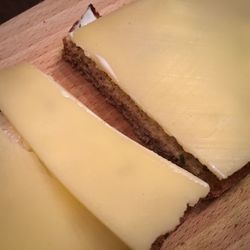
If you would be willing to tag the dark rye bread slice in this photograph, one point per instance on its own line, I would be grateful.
(148, 131)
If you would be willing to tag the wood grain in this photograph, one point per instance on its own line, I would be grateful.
(36, 35)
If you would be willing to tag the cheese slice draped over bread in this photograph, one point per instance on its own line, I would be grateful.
(186, 64)
(134, 192)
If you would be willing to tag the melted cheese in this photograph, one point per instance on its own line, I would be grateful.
(186, 64)
(38, 213)
(133, 191)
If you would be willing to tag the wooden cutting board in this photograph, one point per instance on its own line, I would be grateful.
(36, 35)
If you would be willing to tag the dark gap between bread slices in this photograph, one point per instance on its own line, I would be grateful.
(148, 131)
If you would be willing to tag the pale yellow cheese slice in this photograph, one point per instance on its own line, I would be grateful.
(186, 64)
(133, 191)
(37, 213)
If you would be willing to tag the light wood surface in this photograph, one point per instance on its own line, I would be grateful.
(36, 36)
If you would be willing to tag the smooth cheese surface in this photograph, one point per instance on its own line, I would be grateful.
(186, 64)
(134, 192)
(38, 213)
